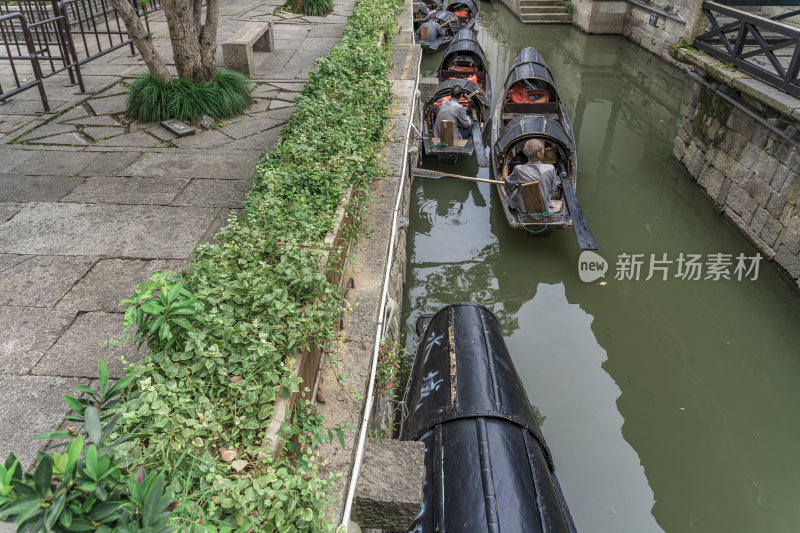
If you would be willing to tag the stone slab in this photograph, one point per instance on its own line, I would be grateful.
(112, 280)
(36, 188)
(126, 191)
(73, 138)
(42, 280)
(99, 120)
(109, 163)
(26, 334)
(47, 130)
(119, 231)
(77, 351)
(214, 193)
(30, 405)
(9, 260)
(54, 163)
(139, 139)
(192, 164)
(258, 142)
(110, 104)
(203, 139)
(250, 126)
(8, 210)
(12, 158)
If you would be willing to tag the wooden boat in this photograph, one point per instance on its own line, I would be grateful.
(455, 16)
(530, 108)
(487, 465)
(464, 65)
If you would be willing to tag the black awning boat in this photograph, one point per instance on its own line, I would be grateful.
(488, 468)
(463, 65)
(530, 108)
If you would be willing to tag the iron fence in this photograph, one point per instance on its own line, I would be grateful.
(60, 35)
(767, 49)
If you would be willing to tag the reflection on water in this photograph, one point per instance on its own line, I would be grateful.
(669, 406)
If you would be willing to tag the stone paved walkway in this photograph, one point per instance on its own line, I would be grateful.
(91, 204)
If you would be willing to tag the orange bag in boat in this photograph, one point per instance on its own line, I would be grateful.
(461, 13)
(519, 95)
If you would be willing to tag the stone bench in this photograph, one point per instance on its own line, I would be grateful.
(237, 52)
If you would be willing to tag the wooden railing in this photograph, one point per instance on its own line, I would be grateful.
(767, 49)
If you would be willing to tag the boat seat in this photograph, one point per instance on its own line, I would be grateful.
(532, 196)
(456, 142)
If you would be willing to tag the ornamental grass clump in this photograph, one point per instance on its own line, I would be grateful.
(317, 7)
(152, 100)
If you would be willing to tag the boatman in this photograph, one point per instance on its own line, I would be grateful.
(451, 109)
(533, 170)
(434, 30)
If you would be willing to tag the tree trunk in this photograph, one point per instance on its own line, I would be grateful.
(184, 37)
(141, 40)
(208, 40)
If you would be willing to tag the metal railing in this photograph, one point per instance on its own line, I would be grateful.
(767, 49)
(60, 35)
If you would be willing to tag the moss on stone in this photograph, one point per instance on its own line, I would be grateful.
(710, 107)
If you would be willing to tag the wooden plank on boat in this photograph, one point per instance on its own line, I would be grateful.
(447, 128)
(456, 142)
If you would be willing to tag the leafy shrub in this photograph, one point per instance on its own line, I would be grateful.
(82, 489)
(317, 8)
(260, 296)
(152, 100)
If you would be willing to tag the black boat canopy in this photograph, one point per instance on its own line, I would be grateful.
(447, 18)
(487, 468)
(473, 6)
(467, 85)
(529, 65)
(464, 43)
(463, 370)
(531, 126)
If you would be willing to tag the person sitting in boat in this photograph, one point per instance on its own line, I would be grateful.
(451, 109)
(533, 170)
(434, 30)
(422, 10)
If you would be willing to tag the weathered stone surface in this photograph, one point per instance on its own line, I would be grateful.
(389, 490)
(47, 130)
(790, 238)
(25, 335)
(117, 231)
(198, 164)
(214, 193)
(77, 351)
(30, 405)
(118, 190)
(250, 126)
(16, 188)
(109, 163)
(54, 163)
(41, 280)
(203, 139)
(110, 104)
(112, 280)
(789, 261)
(8, 210)
(139, 139)
(711, 180)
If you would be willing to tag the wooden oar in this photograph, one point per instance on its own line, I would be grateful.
(582, 232)
(477, 139)
(424, 173)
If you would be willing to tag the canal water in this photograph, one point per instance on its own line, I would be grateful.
(668, 405)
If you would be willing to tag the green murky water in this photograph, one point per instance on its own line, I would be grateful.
(669, 405)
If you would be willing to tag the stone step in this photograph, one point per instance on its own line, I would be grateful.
(547, 18)
(542, 10)
(533, 3)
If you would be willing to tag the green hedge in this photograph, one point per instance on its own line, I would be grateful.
(218, 337)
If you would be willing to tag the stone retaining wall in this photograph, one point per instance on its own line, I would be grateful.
(748, 171)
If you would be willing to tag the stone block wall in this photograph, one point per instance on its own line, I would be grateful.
(600, 16)
(656, 39)
(748, 171)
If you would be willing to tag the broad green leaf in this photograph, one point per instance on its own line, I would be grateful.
(91, 462)
(43, 475)
(53, 435)
(74, 404)
(120, 385)
(127, 318)
(152, 502)
(74, 450)
(93, 425)
(52, 514)
(102, 373)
